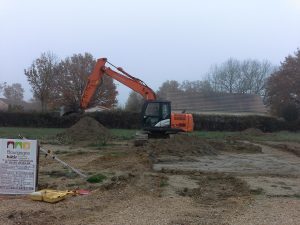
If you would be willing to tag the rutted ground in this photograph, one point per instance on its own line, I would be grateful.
(273, 177)
(132, 193)
(184, 180)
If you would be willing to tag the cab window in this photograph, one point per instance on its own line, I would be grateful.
(152, 109)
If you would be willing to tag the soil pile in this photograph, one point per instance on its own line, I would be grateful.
(235, 146)
(253, 132)
(187, 147)
(87, 130)
(181, 145)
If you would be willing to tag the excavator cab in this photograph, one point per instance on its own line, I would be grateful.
(157, 119)
(157, 114)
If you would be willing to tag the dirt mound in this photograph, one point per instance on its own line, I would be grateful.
(87, 130)
(181, 145)
(235, 146)
(253, 131)
(189, 147)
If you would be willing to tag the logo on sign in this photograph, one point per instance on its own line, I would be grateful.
(18, 145)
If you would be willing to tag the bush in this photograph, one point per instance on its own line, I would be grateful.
(98, 178)
(290, 112)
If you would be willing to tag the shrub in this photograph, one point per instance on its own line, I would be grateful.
(290, 112)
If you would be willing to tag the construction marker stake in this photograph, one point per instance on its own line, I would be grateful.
(49, 153)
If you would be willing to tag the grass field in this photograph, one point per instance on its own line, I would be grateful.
(47, 134)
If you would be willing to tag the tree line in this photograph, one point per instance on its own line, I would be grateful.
(278, 86)
(233, 76)
(56, 82)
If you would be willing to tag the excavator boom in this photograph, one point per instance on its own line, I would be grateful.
(123, 77)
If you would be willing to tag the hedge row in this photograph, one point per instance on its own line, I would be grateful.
(110, 119)
(128, 120)
(239, 123)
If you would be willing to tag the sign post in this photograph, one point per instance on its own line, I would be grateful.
(18, 166)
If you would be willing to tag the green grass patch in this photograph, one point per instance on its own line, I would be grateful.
(98, 144)
(123, 134)
(281, 136)
(258, 191)
(43, 134)
(97, 178)
(163, 183)
(48, 135)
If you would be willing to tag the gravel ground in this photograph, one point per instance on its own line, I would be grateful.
(181, 199)
(269, 211)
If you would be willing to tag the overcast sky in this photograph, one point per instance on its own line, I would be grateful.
(155, 40)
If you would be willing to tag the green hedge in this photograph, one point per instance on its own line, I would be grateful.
(110, 119)
(239, 123)
(24, 119)
(128, 120)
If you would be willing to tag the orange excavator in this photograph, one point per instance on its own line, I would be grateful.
(157, 117)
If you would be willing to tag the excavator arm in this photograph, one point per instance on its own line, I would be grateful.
(123, 77)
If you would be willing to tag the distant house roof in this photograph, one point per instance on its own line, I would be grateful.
(217, 103)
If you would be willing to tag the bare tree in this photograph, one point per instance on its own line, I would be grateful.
(233, 76)
(41, 75)
(2, 86)
(226, 77)
(197, 86)
(14, 92)
(253, 76)
(73, 75)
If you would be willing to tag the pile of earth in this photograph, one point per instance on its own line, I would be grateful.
(86, 130)
(232, 145)
(253, 132)
(190, 146)
(180, 145)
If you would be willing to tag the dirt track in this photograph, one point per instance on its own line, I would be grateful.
(258, 188)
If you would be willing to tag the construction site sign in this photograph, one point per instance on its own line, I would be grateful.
(18, 166)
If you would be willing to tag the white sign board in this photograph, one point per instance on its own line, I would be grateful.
(18, 166)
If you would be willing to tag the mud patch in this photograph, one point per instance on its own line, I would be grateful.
(213, 188)
(293, 148)
(129, 161)
(86, 130)
(274, 186)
